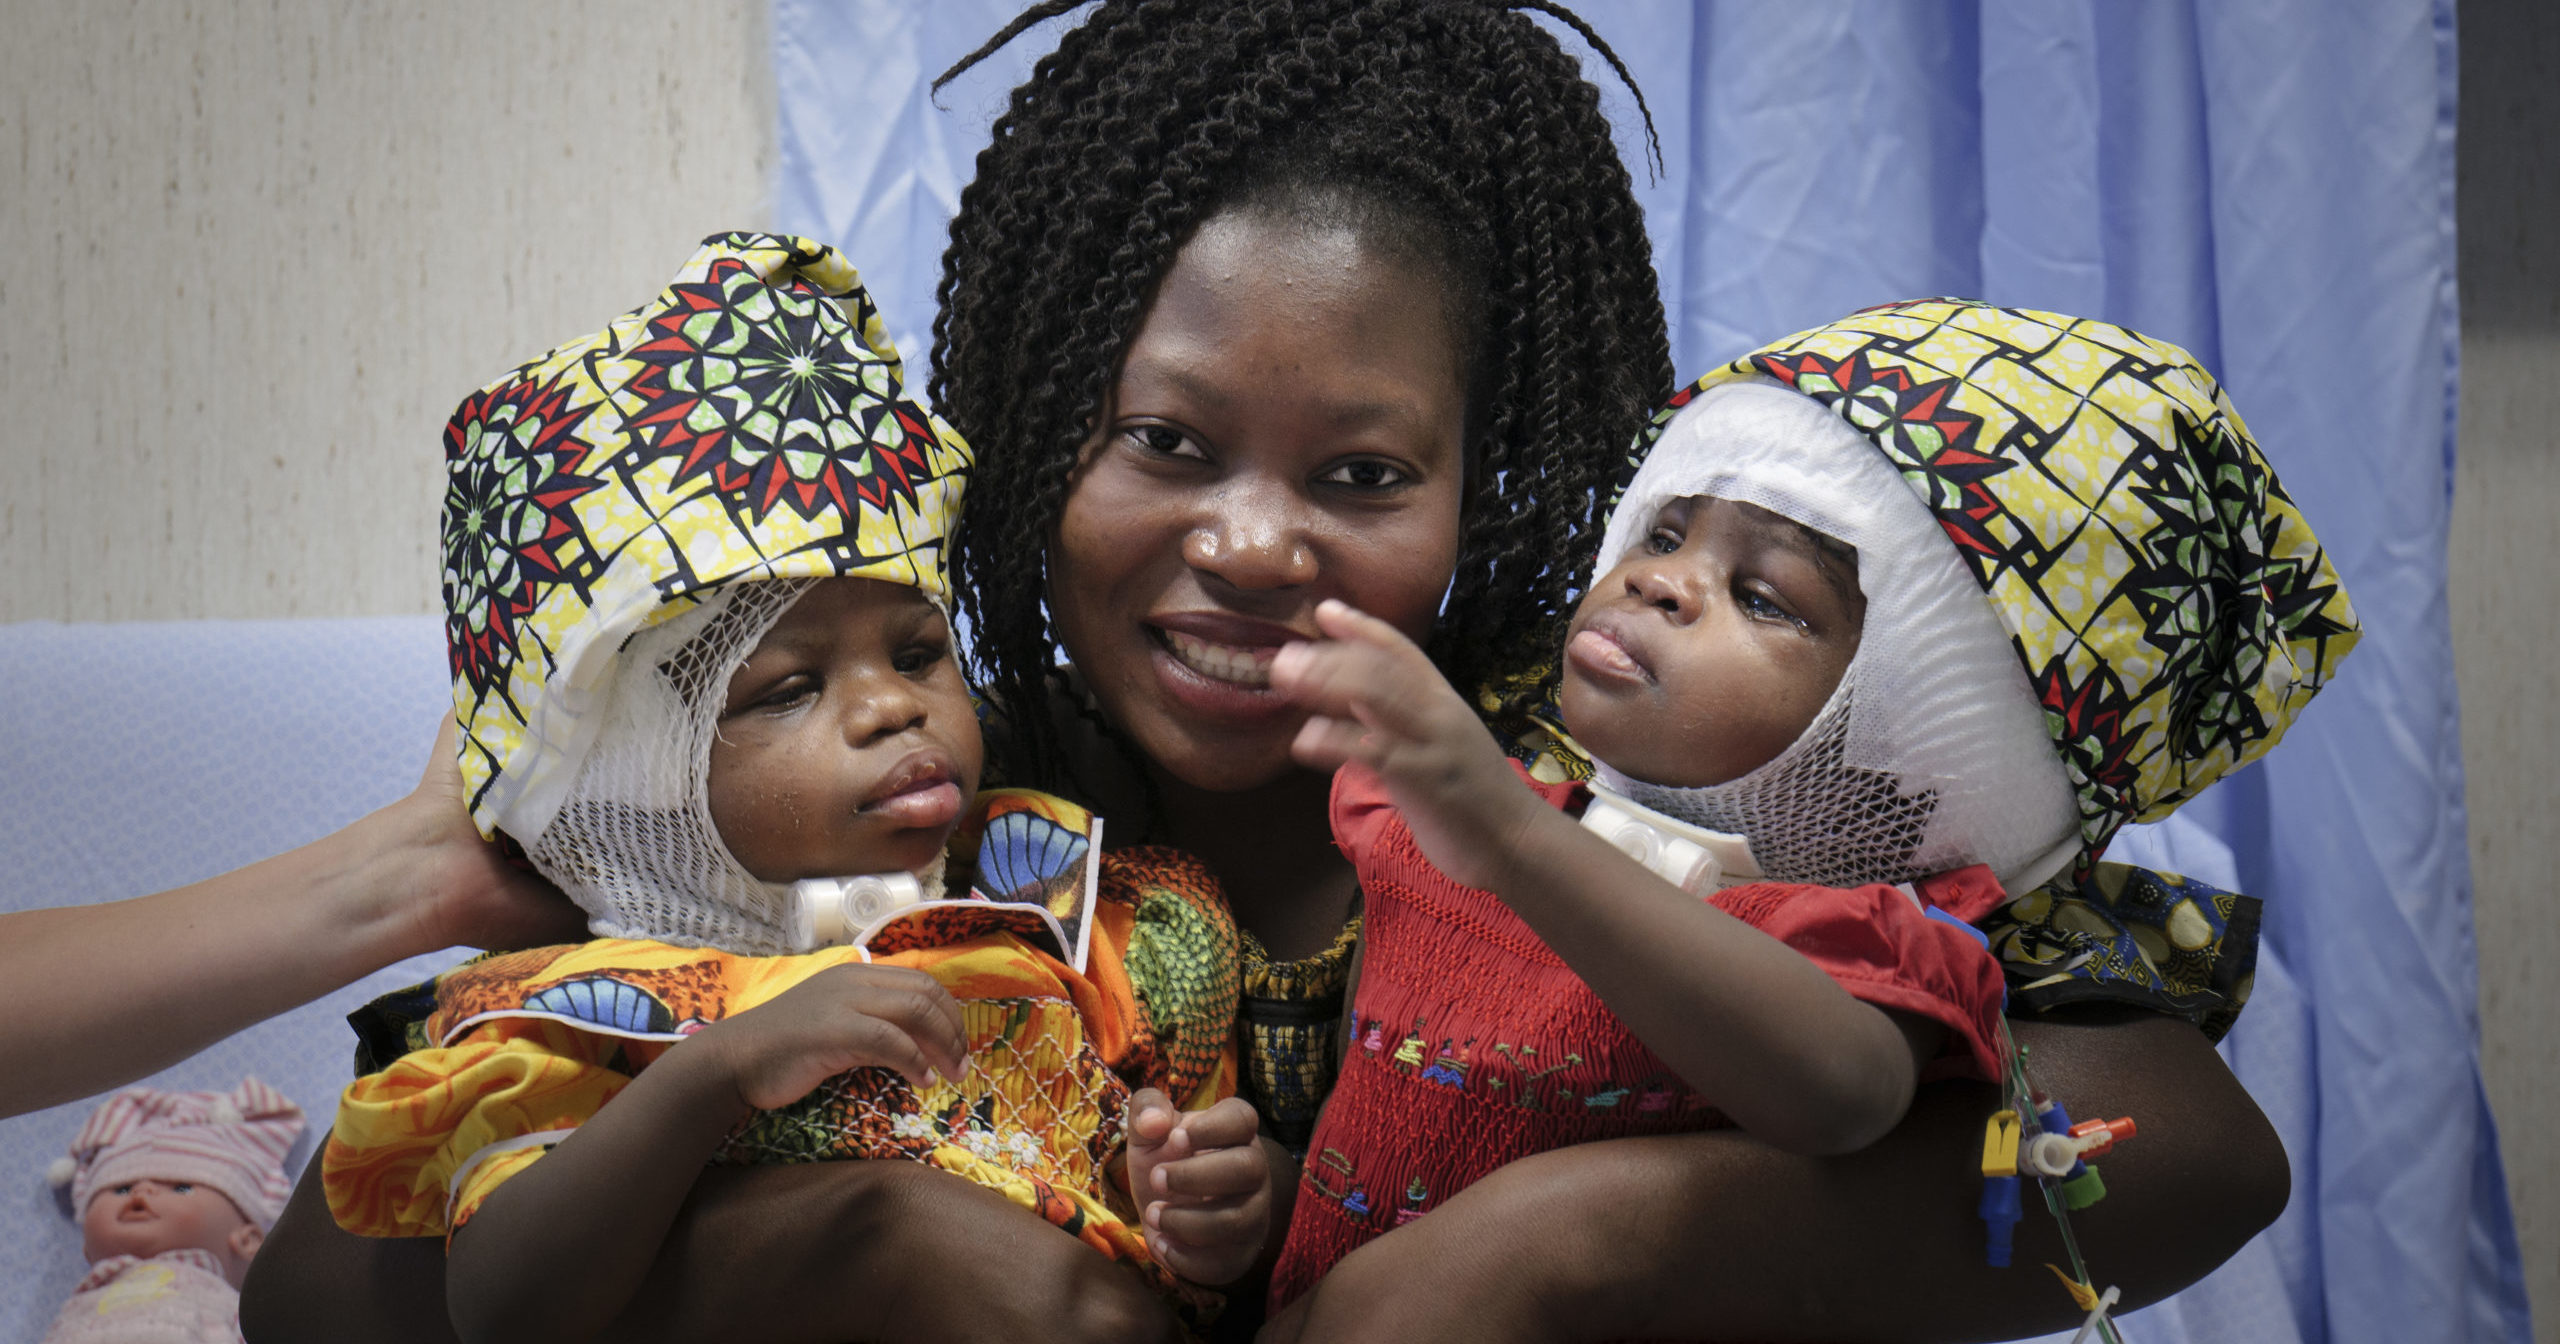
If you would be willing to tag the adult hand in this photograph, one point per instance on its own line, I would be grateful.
(470, 892)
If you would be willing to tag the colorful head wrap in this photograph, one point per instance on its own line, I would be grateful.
(748, 423)
(2171, 606)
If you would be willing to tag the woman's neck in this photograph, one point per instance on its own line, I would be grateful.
(1272, 851)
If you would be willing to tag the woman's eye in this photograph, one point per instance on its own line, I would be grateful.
(1662, 541)
(1365, 474)
(1163, 441)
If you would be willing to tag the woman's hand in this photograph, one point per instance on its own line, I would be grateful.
(469, 892)
(1376, 698)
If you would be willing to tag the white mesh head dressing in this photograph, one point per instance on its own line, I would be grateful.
(1932, 753)
(633, 843)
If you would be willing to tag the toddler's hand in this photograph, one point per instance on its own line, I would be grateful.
(844, 1017)
(1202, 1185)
(1378, 700)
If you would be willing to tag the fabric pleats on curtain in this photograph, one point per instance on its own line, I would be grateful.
(2270, 185)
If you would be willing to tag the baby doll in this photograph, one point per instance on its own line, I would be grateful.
(174, 1192)
(695, 584)
(1820, 752)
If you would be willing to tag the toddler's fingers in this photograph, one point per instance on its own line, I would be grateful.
(1220, 1174)
(1228, 1124)
(1201, 1226)
(1342, 620)
(1149, 1118)
(917, 1010)
(1324, 742)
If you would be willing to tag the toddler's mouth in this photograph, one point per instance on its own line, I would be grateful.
(921, 791)
(1601, 650)
(1235, 664)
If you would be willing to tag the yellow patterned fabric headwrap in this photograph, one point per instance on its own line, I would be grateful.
(2173, 609)
(748, 423)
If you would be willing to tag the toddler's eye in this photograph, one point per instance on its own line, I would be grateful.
(183, 1188)
(1365, 474)
(1761, 606)
(916, 658)
(784, 694)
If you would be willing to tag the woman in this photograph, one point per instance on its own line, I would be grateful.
(1250, 305)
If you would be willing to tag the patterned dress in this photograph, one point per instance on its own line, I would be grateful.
(472, 1077)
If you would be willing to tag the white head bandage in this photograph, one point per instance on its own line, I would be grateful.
(1932, 753)
(633, 843)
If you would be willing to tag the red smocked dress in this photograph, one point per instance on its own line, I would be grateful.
(1473, 1044)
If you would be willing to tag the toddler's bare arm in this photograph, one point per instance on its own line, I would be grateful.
(1741, 1017)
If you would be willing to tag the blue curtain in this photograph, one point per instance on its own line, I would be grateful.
(2269, 184)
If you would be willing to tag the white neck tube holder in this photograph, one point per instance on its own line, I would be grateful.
(1692, 858)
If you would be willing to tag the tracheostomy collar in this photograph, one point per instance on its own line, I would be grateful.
(1931, 753)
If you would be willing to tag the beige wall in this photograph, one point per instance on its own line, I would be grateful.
(251, 256)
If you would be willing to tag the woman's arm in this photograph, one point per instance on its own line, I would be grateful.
(139, 985)
(1716, 1236)
(823, 1253)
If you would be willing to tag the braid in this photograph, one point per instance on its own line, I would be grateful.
(1457, 131)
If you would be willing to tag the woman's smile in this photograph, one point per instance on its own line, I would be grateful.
(1286, 427)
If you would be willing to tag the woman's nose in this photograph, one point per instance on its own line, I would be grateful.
(1252, 536)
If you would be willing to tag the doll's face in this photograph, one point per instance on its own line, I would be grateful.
(1710, 648)
(147, 1218)
(847, 743)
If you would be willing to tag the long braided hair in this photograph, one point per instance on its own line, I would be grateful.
(1458, 129)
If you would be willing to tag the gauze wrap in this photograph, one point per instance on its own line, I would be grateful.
(625, 517)
(2170, 607)
(1931, 754)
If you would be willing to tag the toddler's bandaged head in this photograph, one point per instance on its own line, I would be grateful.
(2164, 609)
(624, 519)
(234, 1142)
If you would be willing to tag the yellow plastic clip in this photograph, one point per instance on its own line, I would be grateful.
(2089, 1299)
(2080, 1291)
(2000, 1144)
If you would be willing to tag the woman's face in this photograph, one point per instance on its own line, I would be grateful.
(1288, 426)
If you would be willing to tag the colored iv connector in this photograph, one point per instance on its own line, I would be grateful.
(2000, 1206)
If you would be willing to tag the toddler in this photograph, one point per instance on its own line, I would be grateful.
(1801, 709)
(174, 1192)
(695, 587)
